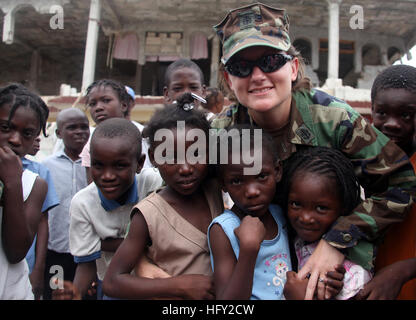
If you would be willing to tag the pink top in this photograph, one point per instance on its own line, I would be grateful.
(355, 276)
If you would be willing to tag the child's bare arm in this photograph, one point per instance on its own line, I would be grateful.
(85, 274)
(20, 219)
(234, 278)
(37, 275)
(118, 282)
(387, 282)
(88, 173)
(111, 244)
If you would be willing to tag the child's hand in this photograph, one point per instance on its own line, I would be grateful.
(334, 281)
(196, 287)
(295, 288)
(250, 233)
(69, 292)
(10, 165)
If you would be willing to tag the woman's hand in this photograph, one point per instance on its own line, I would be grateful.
(295, 287)
(323, 259)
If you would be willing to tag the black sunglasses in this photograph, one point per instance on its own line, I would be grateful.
(267, 64)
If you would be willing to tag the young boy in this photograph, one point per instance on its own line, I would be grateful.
(100, 213)
(69, 177)
(393, 98)
(393, 105)
(182, 76)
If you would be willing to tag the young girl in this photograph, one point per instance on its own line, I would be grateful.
(320, 185)
(170, 225)
(264, 75)
(249, 243)
(22, 117)
(107, 98)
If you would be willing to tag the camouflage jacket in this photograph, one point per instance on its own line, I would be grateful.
(384, 171)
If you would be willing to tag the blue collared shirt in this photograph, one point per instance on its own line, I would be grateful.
(69, 177)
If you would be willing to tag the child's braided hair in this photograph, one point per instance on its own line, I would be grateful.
(16, 95)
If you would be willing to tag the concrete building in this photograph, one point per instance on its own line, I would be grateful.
(58, 47)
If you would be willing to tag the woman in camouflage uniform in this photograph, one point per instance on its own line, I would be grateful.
(264, 74)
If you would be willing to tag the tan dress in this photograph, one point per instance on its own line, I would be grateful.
(177, 246)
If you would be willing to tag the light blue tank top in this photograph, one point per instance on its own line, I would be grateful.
(273, 259)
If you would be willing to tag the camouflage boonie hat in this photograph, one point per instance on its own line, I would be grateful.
(253, 25)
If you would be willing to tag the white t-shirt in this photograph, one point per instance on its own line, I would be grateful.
(91, 223)
(14, 278)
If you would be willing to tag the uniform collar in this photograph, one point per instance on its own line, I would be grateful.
(300, 122)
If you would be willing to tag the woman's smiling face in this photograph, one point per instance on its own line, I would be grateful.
(261, 92)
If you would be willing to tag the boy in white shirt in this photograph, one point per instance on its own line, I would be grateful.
(100, 213)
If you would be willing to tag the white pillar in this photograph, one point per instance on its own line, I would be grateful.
(383, 57)
(358, 59)
(35, 63)
(315, 53)
(91, 45)
(8, 27)
(333, 39)
(186, 44)
(215, 58)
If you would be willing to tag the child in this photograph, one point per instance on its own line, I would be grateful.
(320, 185)
(249, 243)
(69, 177)
(100, 212)
(35, 148)
(393, 105)
(169, 226)
(393, 97)
(22, 117)
(183, 76)
(105, 99)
